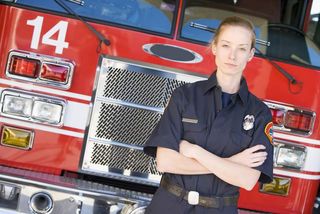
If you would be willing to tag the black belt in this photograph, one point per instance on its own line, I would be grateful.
(194, 198)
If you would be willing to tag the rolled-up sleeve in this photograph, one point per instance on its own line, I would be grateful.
(263, 135)
(168, 131)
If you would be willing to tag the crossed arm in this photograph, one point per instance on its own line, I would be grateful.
(193, 159)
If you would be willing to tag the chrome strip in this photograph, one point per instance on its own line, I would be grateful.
(128, 104)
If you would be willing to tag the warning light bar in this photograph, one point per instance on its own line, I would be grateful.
(53, 71)
(291, 119)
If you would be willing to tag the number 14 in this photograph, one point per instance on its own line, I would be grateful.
(60, 43)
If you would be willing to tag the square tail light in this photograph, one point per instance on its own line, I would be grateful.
(24, 67)
(55, 73)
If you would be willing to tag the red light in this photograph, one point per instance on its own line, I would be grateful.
(24, 67)
(298, 121)
(277, 116)
(54, 73)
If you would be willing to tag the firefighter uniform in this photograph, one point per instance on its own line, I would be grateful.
(224, 124)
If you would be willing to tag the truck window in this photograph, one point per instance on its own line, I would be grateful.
(276, 21)
(151, 15)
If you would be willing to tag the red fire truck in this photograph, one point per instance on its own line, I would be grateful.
(83, 83)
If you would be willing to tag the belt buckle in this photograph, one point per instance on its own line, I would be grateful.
(193, 197)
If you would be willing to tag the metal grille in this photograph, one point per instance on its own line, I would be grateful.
(140, 88)
(128, 103)
(125, 124)
(123, 158)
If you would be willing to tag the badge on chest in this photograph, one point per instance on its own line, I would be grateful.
(248, 122)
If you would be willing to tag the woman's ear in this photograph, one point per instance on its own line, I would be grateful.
(214, 48)
(251, 54)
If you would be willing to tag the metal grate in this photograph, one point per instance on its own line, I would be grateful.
(123, 158)
(139, 88)
(125, 124)
(128, 103)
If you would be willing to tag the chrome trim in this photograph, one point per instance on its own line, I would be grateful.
(34, 97)
(67, 191)
(33, 203)
(20, 129)
(282, 128)
(197, 57)
(42, 59)
(111, 142)
(79, 2)
(128, 104)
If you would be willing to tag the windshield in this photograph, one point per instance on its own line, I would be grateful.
(275, 21)
(151, 15)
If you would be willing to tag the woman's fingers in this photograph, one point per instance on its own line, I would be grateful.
(255, 148)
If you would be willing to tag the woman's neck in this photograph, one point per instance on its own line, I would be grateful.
(228, 83)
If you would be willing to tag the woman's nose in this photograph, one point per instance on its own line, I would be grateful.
(232, 54)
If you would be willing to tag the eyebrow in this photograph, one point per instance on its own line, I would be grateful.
(230, 42)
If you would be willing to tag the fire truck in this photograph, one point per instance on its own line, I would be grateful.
(83, 84)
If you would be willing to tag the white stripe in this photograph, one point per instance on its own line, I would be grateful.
(296, 138)
(76, 115)
(41, 127)
(44, 89)
(311, 163)
(296, 174)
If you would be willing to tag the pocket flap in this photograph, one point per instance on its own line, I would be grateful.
(193, 126)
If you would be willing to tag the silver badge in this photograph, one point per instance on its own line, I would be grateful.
(248, 122)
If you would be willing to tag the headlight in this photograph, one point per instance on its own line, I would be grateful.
(47, 112)
(290, 156)
(32, 107)
(17, 105)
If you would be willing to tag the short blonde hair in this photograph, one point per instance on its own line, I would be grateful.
(236, 21)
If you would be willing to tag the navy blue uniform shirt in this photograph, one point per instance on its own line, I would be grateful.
(223, 125)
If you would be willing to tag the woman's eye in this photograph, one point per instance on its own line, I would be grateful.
(225, 46)
(243, 49)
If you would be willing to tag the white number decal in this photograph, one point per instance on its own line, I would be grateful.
(60, 28)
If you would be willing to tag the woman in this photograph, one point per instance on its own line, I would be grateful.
(214, 136)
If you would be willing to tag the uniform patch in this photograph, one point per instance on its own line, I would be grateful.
(248, 122)
(269, 132)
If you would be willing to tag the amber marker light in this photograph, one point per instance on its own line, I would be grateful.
(17, 137)
(278, 186)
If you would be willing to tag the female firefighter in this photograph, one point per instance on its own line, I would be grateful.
(214, 136)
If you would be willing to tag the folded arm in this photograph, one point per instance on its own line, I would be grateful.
(194, 160)
(235, 170)
(170, 161)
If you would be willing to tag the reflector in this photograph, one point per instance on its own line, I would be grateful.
(56, 73)
(279, 186)
(16, 137)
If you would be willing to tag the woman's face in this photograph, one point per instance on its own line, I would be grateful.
(233, 50)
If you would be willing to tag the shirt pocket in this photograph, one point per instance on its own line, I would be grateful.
(194, 132)
(241, 140)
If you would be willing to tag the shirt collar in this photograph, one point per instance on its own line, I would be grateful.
(212, 83)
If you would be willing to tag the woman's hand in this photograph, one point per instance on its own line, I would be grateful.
(187, 149)
(250, 157)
